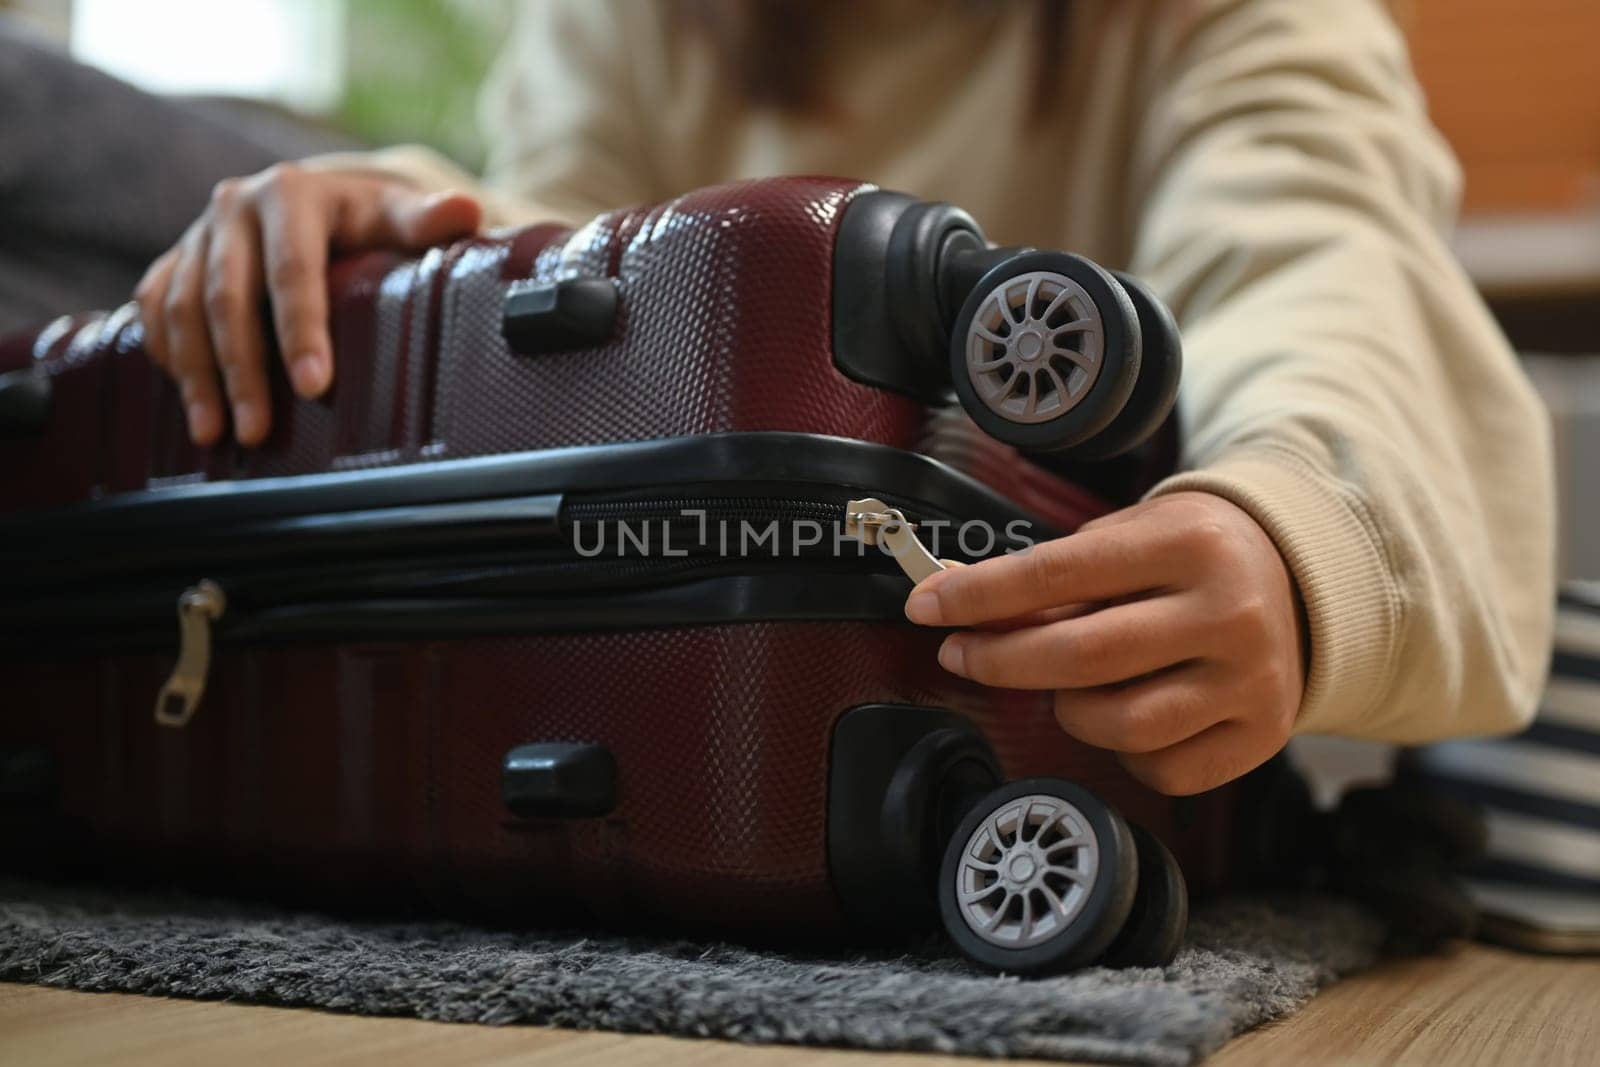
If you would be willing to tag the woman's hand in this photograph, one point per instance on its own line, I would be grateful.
(271, 235)
(1170, 633)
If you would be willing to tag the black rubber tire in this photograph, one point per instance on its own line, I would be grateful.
(929, 793)
(1104, 913)
(1119, 370)
(1156, 390)
(1155, 928)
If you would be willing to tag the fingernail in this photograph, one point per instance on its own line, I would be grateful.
(922, 606)
(310, 374)
(952, 657)
(249, 421)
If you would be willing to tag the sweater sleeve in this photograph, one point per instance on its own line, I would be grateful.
(561, 115)
(1344, 384)
(563, 110)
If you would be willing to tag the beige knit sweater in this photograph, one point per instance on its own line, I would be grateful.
(1268, 166)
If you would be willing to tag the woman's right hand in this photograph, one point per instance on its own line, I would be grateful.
(271, 235)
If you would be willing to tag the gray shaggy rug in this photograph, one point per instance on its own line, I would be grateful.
(1247, 962)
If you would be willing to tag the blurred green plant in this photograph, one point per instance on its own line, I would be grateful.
(413, 69)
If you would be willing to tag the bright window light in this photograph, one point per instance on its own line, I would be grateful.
(287, 51)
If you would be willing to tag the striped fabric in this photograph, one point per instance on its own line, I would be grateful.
(1541, 789)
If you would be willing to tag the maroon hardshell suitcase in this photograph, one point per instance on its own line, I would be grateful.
(401, 667)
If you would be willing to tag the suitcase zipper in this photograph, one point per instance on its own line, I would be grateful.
(869, 520)
(199, 606)
(202, 606)
(873, 521)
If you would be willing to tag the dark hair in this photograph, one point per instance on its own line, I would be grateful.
(768, 48)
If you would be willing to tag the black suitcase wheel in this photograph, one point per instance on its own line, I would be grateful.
(1154, 931)
(1156, 391)
(934, 785)
(1039, 877)
(1046, 351)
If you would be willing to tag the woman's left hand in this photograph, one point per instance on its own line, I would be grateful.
(1169, 631)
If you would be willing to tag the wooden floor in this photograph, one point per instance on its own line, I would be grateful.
(1476, 1006)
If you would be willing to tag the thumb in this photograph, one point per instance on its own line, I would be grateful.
(933, 580)
(422, 222)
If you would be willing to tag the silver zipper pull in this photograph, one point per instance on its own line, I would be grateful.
(874, 522)
(199, 606)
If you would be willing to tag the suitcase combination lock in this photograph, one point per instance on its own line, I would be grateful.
(198, 607)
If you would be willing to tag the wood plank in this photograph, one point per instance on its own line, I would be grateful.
(1475, 1006)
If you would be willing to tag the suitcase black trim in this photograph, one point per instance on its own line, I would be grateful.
(735, 457)
(480, 545)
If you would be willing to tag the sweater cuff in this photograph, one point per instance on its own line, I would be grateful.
(1351, 599)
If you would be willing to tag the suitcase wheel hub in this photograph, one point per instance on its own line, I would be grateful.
(1026, 871)
(1035, 346)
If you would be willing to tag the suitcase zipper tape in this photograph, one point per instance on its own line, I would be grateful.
(868, 520)
(725, 508)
